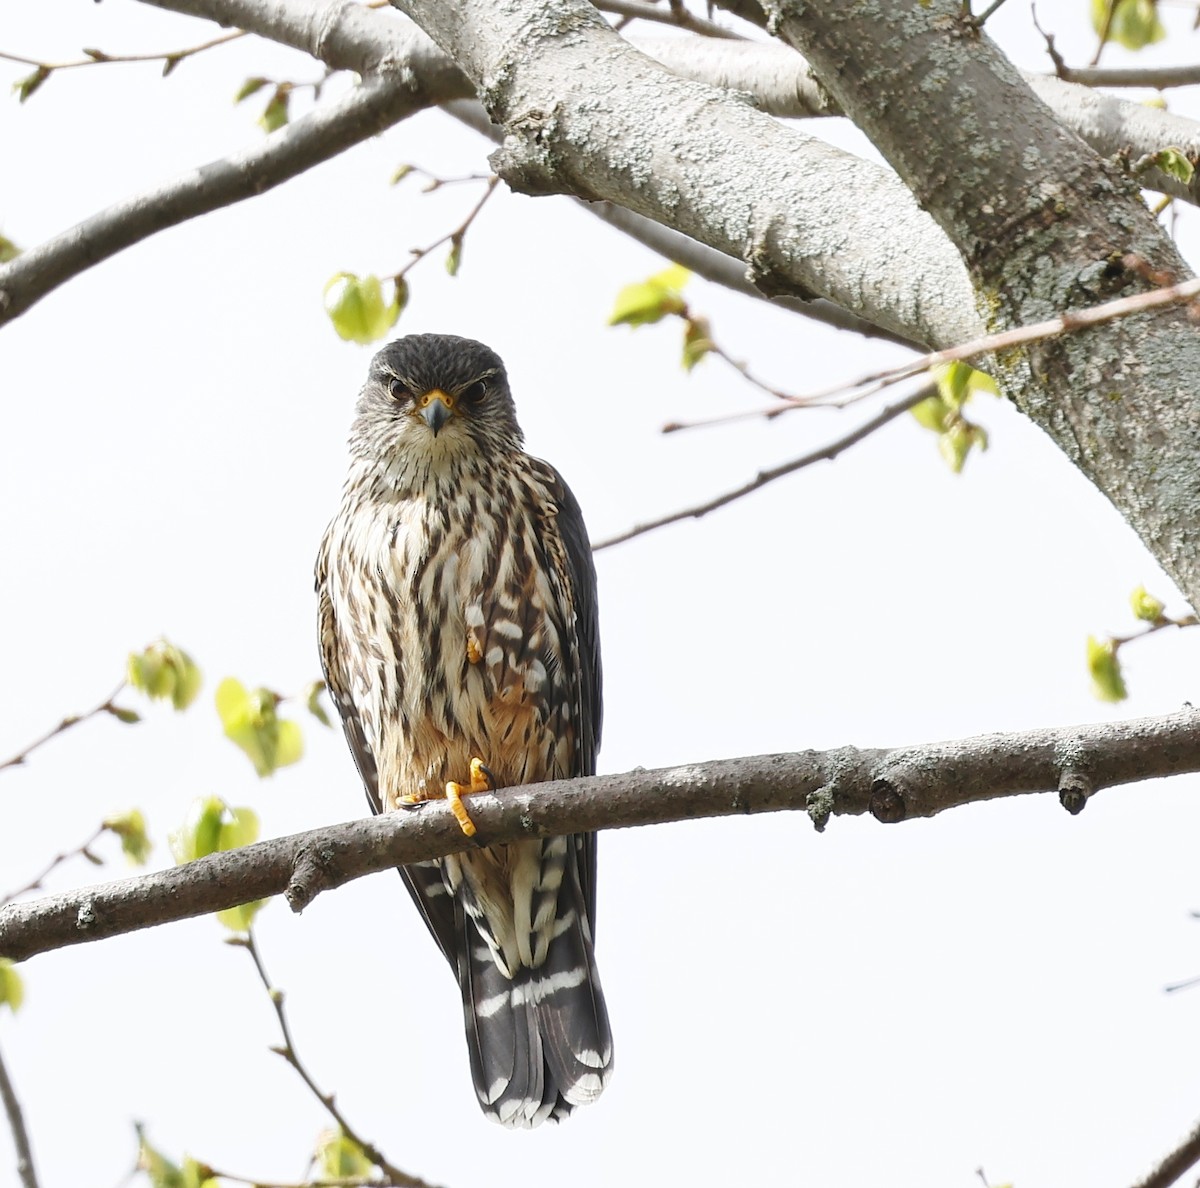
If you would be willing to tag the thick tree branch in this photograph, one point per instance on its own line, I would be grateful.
(378, 103)
(783, 84)
(1050, 237)
(893, 785)
(704, 261)
(586, 114)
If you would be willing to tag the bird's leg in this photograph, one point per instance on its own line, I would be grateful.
(481, 781)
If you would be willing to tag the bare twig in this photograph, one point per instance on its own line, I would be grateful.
(1180, 1160)
(105, 707)
(169, 58)
(1066, 323)
(453, 238)
(340, 1182)
(16, 1123)
(895, 784)
(377, 103)
(35, 884)
(769, 476)
(675, 15)
(288, 1052)
(1160, 77)
(868, 385)
(1105, 30)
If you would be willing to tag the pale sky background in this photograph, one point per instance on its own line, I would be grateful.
(877, 1005)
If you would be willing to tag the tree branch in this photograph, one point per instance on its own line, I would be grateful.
(893, 785)
(586, 114)
(707, 262)
(1051, 236)
(1170, 1168)
(16, 1123)
(760, 480)
(376, 104)
(1159, 77)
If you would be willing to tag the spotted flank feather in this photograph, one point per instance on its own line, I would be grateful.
(458, 622)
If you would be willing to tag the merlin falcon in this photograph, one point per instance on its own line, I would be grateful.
(460, 645)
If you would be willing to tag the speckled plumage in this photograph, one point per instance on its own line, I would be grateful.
(458, 620)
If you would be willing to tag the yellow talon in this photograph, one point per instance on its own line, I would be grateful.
(480, 782)
(474, 648)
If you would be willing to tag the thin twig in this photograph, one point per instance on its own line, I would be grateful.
(676, 15)
(454, 237)
(288, 1052)
(105, 707)
(1170, 1168)
(16, 1123)
(377, 103)
(982, 18)
(768, 476)
(97, 57)
(1105, 30)
(35, 884)
(1159, 77)
(340, 1182)
(1075, 320)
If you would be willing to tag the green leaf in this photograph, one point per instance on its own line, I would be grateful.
(130, 827)
(454, 257)
(162, 1173)
(957, 381)
(250, 87)
(311, 696)
(12, 989)
(1107, 682)
(400, 173)
(211, 826)
(275, 114)
(339, 1157)
(250, 720)
(8, 250)
(1145, 606)
(198, 835)
(240, 918)
(933, 413)
(697, 342)
(1174, 163)
(26, 86)
(1134, 24)
(128, 716)
(958, 441)
(651, 300)
(356, 307)
(165, 673)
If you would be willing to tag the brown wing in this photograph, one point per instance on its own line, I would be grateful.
(423, 880)
(588, 709)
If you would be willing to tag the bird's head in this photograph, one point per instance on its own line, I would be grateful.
(431, 397)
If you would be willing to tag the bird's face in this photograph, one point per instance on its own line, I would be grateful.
(433, 399)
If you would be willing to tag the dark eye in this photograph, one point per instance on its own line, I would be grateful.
(474, 393)
(399, 392)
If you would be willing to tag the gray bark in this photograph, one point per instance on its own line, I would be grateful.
(1042, 224)
(893, 785)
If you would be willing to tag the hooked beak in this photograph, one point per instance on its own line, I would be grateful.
(436, 409)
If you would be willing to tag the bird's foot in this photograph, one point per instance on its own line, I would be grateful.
(482, 780)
